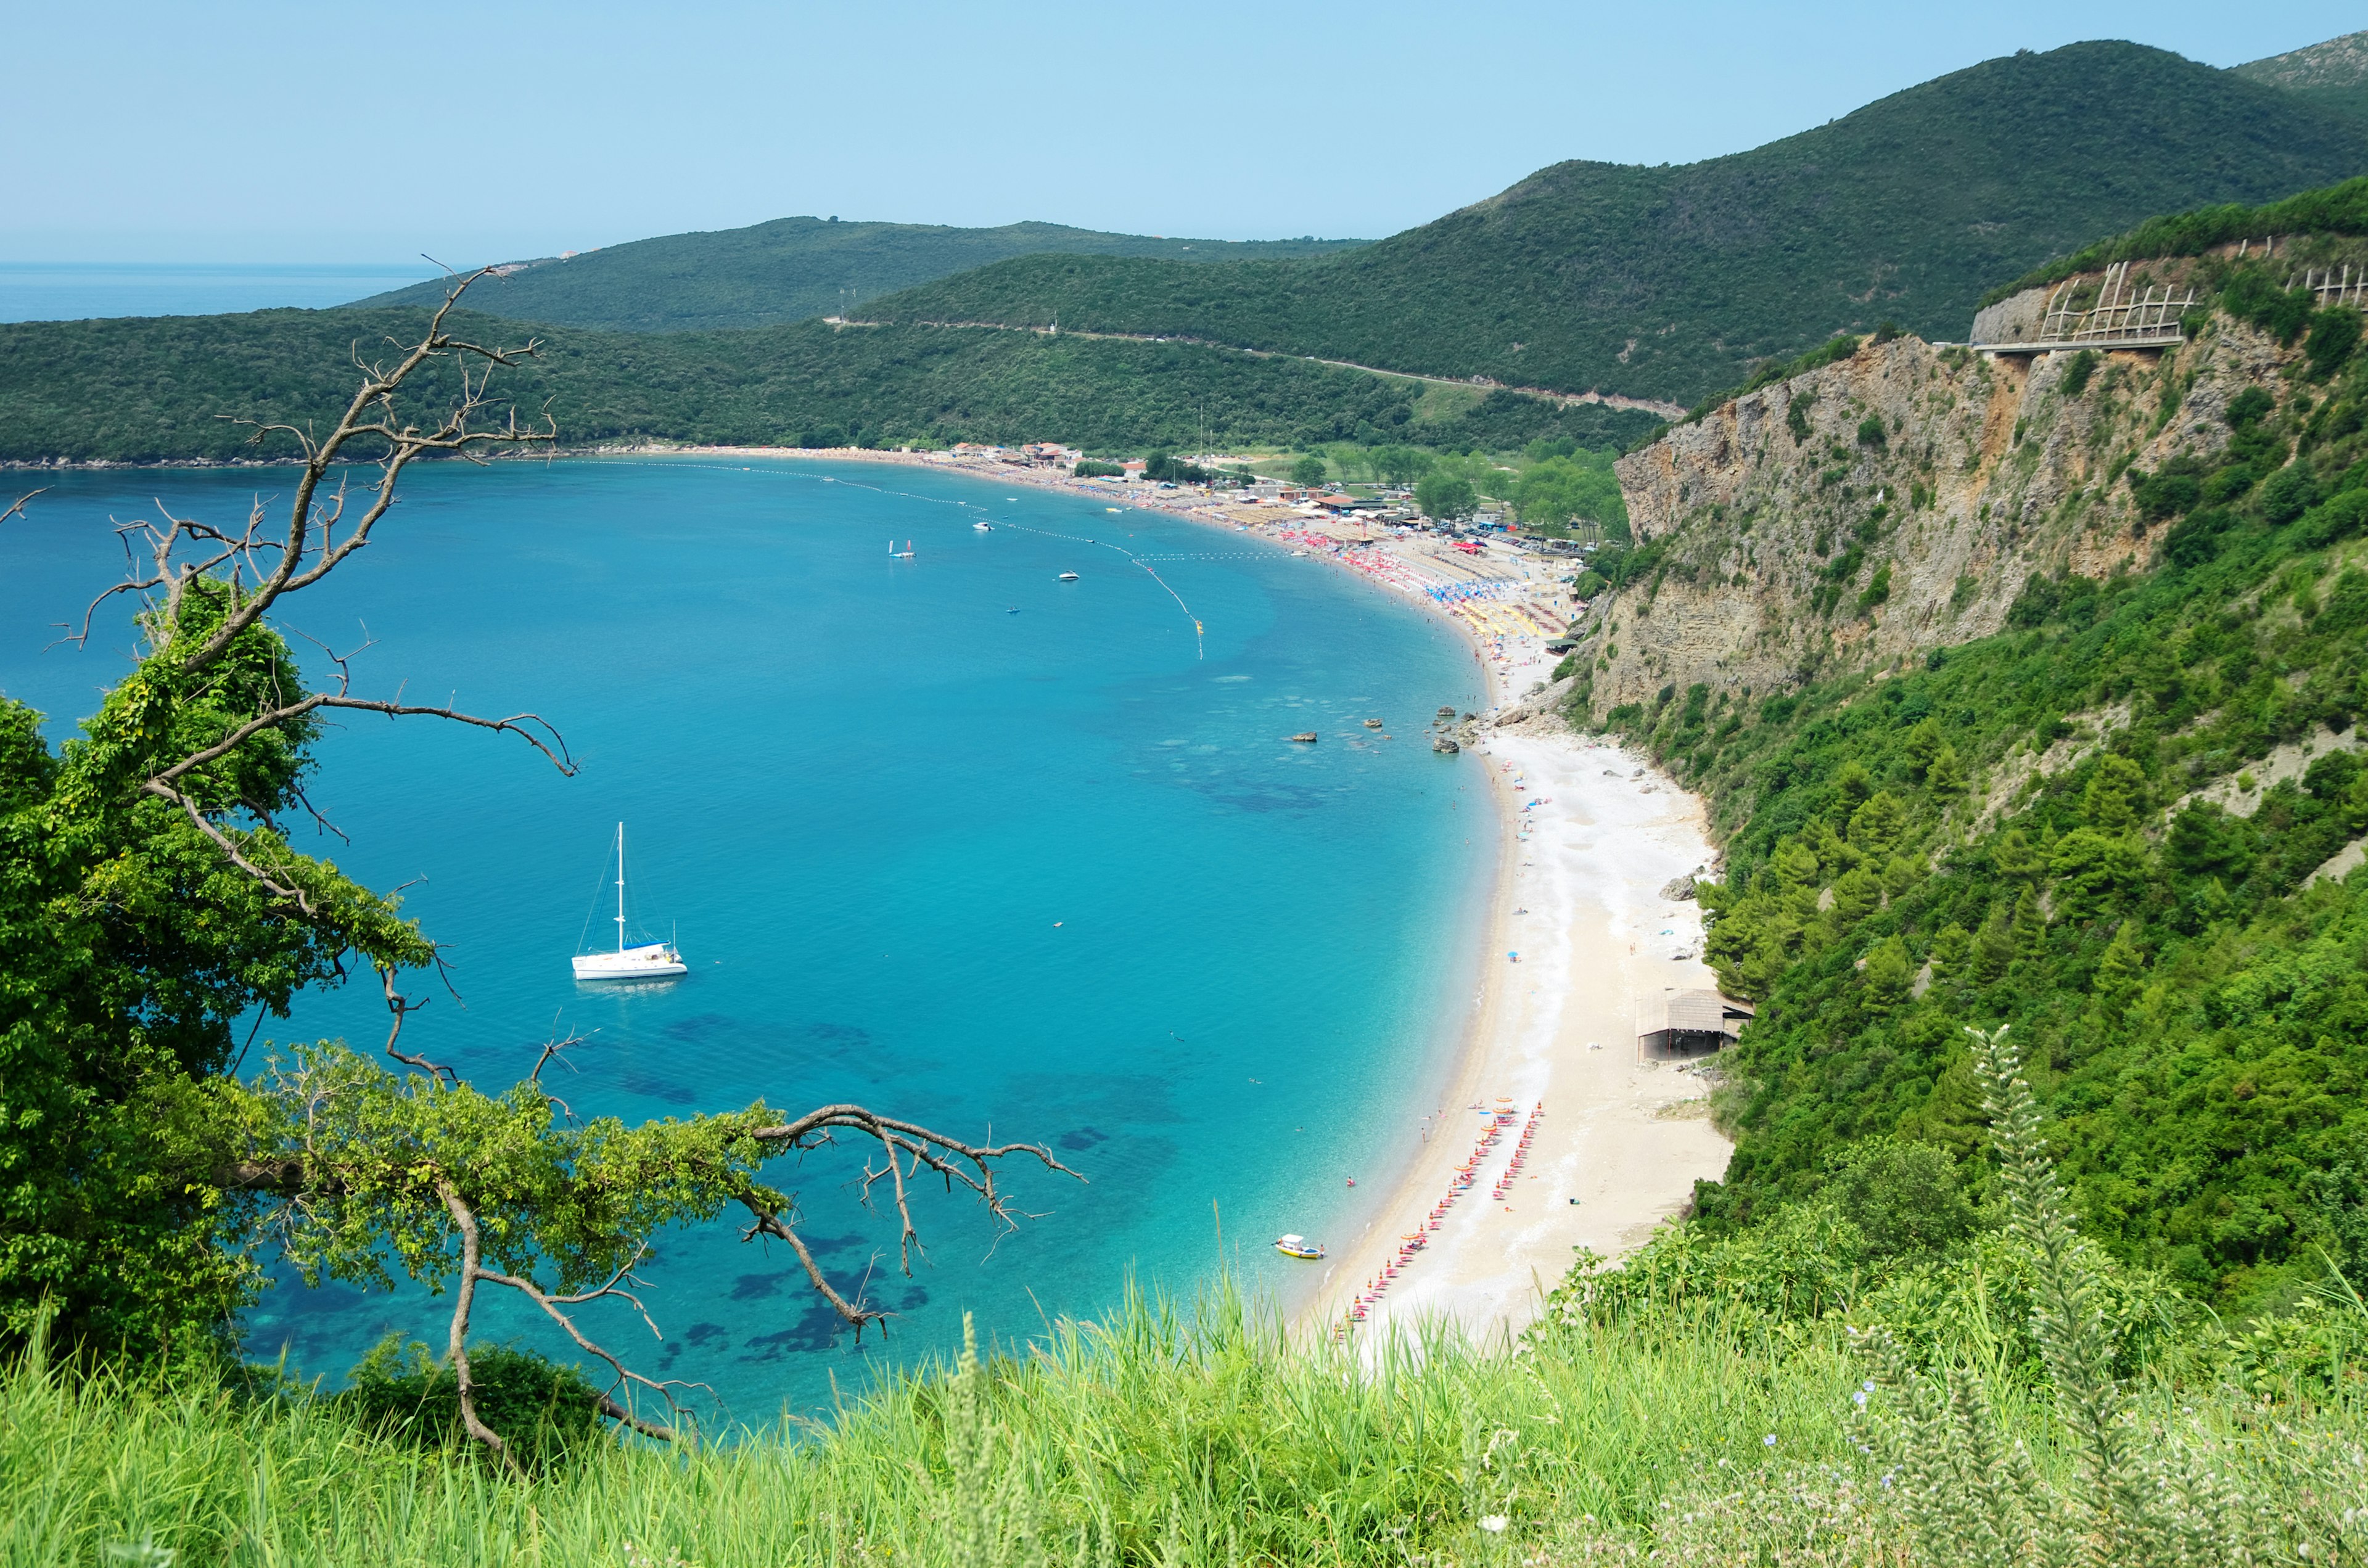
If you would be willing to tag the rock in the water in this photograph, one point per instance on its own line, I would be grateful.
(1445, 746)
(1305, 737)
(1679, 887)
(1447, 712)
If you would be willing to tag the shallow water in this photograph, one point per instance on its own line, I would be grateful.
(1051, 872)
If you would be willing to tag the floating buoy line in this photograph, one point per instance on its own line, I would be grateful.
(1200, 632)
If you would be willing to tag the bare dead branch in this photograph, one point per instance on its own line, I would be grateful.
(270, 884)
(531, 727)
(555, 1047)
(464, 1300)
(625, 1376)
(403, 1006)
(313, 547)
(770, 1224)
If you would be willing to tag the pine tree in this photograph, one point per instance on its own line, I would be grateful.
(2030, 926)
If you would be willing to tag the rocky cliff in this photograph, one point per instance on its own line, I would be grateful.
(1860, 514)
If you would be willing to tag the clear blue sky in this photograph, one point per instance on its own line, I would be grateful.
(311, 133)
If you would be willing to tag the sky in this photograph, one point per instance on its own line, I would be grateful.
(254, 132)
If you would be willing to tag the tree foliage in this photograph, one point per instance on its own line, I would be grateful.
(1448, 497)
(146, 390)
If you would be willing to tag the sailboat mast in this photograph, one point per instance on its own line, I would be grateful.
(620, 887)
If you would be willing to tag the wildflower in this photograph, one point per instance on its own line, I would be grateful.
(1770, 1440)
(1495, 1524)
(1868, 1386)
(1859, 1398)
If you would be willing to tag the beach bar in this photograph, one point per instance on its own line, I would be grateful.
(1687, 1022)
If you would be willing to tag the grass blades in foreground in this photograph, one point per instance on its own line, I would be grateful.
(1150, 1437)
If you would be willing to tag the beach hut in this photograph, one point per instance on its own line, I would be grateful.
(1689, 1022)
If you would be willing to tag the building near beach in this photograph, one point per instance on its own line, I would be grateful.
(1687, 1022)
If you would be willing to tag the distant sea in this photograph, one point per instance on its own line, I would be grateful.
(943, 836)
(76, 291)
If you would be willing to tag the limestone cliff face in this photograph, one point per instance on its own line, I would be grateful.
(1859, 515)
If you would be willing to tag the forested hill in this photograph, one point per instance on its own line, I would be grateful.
(148, 391)
(1666, 282)
(2333, 75)
(2030, 690)
(793, 269)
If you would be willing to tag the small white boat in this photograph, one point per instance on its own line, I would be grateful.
(642, 960)
(896, 554)
(982, 527)
(1068, 576)
(1298, 1247)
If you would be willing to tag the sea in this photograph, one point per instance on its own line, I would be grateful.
(59, 290)
(937, 832)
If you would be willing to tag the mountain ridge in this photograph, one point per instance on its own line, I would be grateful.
(789, 269)
(1666, 281)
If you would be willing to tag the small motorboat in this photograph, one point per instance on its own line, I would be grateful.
(1068, 576)
(1299, 1246)
(982, 527)
(1305, 737)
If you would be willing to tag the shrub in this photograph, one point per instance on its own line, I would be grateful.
(2248, 407)
(2338, 518)
(2288, 494)
(2077, 374)
(2347, 602)
(2334, 332)
(1089, 469)
(1878, 589)
(547, 1414)
(1904, 1196)
(1869, 431)
(2196, 539)
(2165, 493)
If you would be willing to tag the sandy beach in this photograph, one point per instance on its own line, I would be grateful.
(1595, 1145)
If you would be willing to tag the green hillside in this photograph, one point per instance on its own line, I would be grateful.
(145, 391)
(793, 269)
(2333, 75)
(2074, 826)
(1666, 282)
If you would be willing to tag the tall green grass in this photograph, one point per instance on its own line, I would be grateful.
(1157, 1435)
(1707, 1433)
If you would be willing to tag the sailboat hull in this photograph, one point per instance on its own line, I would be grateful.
(654, 961)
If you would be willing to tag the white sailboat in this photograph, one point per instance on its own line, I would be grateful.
(643, 960)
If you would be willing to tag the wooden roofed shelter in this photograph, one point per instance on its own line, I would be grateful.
(1689, 1022)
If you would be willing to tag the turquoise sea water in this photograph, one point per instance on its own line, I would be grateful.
(1049, 873)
